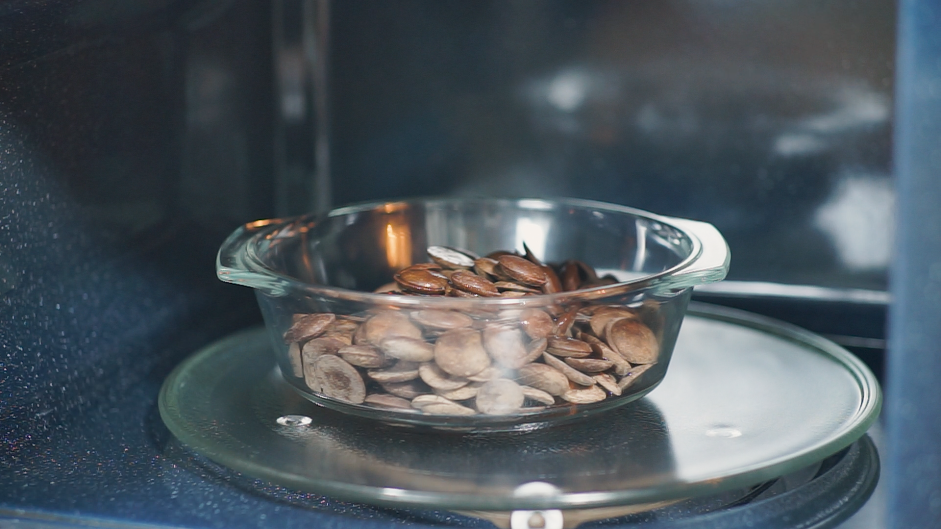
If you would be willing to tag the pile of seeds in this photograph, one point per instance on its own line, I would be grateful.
(493, 362)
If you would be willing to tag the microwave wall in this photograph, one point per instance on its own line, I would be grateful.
(135, 135)
(771, 121)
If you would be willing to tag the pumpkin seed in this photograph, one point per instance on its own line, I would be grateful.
(442, 319)
(461, 353)
(463, 393)
(407, 390)
(500, 396)
(408, 349)
(589, 365)
(450, 258)
(401, 372)
(572, 374)
(584, 395)
(538, 395)
(387, 324)
(536, 323)
(437, 378)
(634, 340)
(505, 345)
(628, 379)
(339, 380)
(294, 358)
(307, 326)
(363, 356)
(544, 377)
(421, 281)
(608, 382)
(384, 400)
(521, 270)
(470, 282)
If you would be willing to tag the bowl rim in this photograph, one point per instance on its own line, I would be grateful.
(250, 270)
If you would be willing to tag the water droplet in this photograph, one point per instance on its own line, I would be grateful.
(294, 420)
(726, 432)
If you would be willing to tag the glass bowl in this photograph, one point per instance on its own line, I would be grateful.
(344, 341)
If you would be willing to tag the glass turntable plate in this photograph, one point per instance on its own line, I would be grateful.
(746, 399)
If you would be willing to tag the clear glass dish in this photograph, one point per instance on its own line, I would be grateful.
(472, 363)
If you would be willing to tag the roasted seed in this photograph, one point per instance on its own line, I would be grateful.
(442, 319)
(604, 315)
(534, 350)
(536, 323)
(621, 366)
(544, 377)
(572, 374)
(346, 339)
(530, 256)
(438, 405)
(634, 340)
(553, 283)
(407, 390)
(408, 349)
(308, 326)
(319, 347)
(485, 267)
(387, 324)
(586, 271)
(589, 365)
(608, 382)
(421, 281)
(460, 352)
(564, 346)
(571, 279)
(363, 356)
(584, 395)
(294, 358)
(505, 345)
(339, 380)
(437, 378)
(507, 286)
(385, 400)
(463, 393)
(421, 401)
(564, 323)
(538, 395)
(400, 372)
(487, 374)
(310, 376)
(343, 326)
(450, 258)
(627, 380)
(500, 396)
(521, 270)
(470, 282)
(359, 337)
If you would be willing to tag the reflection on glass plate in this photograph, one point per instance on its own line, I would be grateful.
(746, 400)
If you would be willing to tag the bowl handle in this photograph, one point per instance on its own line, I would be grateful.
(712, 264)
(235, 265)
